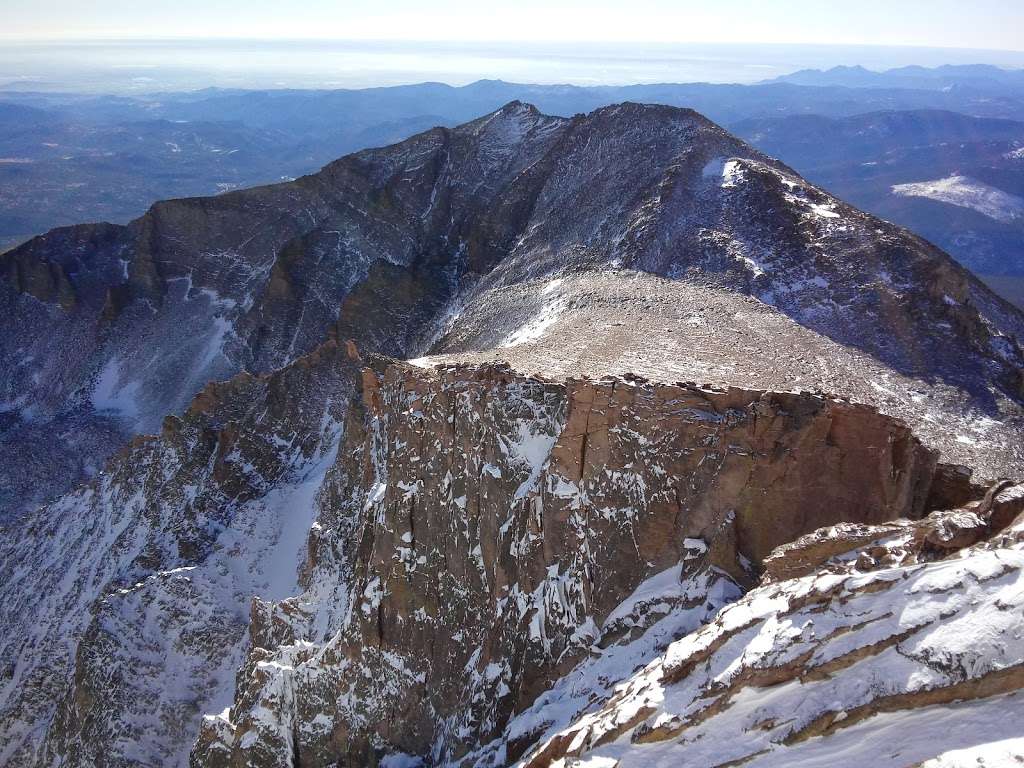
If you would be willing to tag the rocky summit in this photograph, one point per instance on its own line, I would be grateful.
(601, 441)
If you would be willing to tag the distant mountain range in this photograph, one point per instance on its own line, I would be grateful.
(980, 77)
(69, 158)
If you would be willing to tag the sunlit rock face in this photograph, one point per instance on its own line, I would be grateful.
(483, 534)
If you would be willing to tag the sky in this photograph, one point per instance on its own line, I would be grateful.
(978, 24)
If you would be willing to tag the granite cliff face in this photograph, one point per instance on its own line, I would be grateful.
(482, 535)
(340, 558)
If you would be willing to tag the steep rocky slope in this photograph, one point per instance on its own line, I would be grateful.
(110, 328)
(126, 602)
(894, 644)
(489, 551)
(483, 534)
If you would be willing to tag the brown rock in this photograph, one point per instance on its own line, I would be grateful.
(492, 523)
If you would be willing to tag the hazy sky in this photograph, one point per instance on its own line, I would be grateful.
(993, 24)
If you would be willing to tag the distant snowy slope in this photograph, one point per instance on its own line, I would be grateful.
(967, 193)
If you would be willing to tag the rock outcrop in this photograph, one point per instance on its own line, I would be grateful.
(482, 534)
(893, 643)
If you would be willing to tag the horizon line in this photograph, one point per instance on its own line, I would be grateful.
(134, 38)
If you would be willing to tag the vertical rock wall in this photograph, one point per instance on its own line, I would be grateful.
(483, 533)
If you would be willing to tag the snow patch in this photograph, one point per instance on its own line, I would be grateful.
(552, 285)
(729, 173)
(538, 326)
(111, 395)
(220, 325)
(532, 450)
(754, 266)
(667, 584)
(965, 192)
(1008, 752)
(292, 510)
(401, 760)
(824, 211)
(732, 174)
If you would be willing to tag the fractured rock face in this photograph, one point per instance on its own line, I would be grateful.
(126, 602)
(881, 649)
(484, 533)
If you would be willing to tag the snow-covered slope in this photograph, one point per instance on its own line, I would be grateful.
(967, 193)
(902, 646)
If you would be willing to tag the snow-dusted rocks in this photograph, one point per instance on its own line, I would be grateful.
(126, 602)
(887, 653)
(488, 556)
(485, 533)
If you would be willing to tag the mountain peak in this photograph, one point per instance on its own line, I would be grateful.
(516, 107)
(456, 504)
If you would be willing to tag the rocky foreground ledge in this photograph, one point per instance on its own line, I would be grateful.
(496, 556)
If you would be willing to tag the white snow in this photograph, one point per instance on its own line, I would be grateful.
(660, 586)
(966, 192)
(537, 327)
(376, 494)
(824, 211)
(552, 285)
(400, 760)
(930, 626)
(728, 172)
(291, 510)
(114, 396)
(732, 174)
(220, 327)
(663, 598)
(531, 449)
(1005, 752)
(756, 267)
